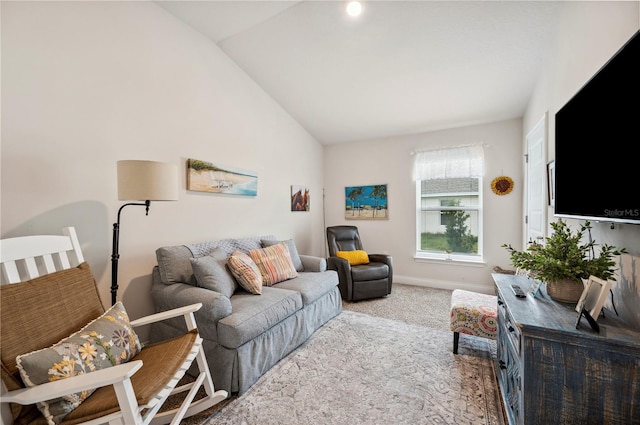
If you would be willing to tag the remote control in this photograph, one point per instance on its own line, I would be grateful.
(518, 291)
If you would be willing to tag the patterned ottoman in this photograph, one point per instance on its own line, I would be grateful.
(473, 314)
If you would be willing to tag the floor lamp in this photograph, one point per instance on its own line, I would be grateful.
(140, 181)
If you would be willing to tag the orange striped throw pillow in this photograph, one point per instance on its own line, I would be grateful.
(355, 258)
(274, 263)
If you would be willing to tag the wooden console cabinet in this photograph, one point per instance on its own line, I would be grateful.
(549, 372)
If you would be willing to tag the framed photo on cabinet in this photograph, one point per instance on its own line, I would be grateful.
(593, 297)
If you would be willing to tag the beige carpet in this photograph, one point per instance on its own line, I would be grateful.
(417, 305)
(414, 305)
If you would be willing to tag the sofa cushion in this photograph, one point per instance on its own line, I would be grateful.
(228, 245)
(211, 272)
(246, 272)
(247, 244)
(293, 251)
(371, 271)
(205, 248)
(311, 286)
(274, 263)
(106, 341)
(174, 264)
(254, 315)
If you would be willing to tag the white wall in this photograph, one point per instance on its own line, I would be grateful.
(589, 34)
(85, 84)
(389, 161)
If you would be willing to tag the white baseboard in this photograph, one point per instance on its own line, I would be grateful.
(444, 284)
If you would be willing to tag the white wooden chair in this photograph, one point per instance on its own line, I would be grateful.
(28, 260)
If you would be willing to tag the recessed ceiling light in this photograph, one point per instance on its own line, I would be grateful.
(354, 8)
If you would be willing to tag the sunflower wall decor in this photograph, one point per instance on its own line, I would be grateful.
(502, 185)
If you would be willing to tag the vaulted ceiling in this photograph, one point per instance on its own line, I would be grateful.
(401, 67)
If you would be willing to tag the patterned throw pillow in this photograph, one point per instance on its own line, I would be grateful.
(107, 341)
(246, 272)
(293, 251)
(274, 263)
(355, 258)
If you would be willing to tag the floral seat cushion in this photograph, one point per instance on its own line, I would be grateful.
(474, 313)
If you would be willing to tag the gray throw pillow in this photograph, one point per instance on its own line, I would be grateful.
(293, 252)
(173, 264)
(211, 273)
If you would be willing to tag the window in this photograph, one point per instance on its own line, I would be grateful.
(449, 203)
(445, 218)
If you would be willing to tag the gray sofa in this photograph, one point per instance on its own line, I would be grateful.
(244, 334)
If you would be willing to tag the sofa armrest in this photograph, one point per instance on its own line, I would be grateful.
(386, 259)
(343, 268)
(311, 263)
(381, 258)
(215, 306)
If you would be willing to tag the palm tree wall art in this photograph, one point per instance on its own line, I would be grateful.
(366, 202)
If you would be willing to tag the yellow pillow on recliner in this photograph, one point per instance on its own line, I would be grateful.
(355, 258)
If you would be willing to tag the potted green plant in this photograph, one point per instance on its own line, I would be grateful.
(564, 260)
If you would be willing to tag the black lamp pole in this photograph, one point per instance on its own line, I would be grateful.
(114, 254)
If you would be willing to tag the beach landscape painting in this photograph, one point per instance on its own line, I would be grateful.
(366, 202)
(205, 176)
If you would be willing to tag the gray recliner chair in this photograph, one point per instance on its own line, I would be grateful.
(359, 282)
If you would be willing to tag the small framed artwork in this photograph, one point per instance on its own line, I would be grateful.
(593, 297)
(366, 202)
(300, 199)
(551, 182)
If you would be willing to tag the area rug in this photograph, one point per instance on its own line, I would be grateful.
(360, 369)
(406, 303)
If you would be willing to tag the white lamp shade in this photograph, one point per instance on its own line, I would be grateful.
(147, 181)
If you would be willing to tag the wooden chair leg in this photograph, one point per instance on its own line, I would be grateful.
(456, 338)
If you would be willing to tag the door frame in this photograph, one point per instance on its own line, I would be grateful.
(539, 130)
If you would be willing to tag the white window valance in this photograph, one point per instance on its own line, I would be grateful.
(464, 161)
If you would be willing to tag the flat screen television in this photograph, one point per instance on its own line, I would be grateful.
(597, 167)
